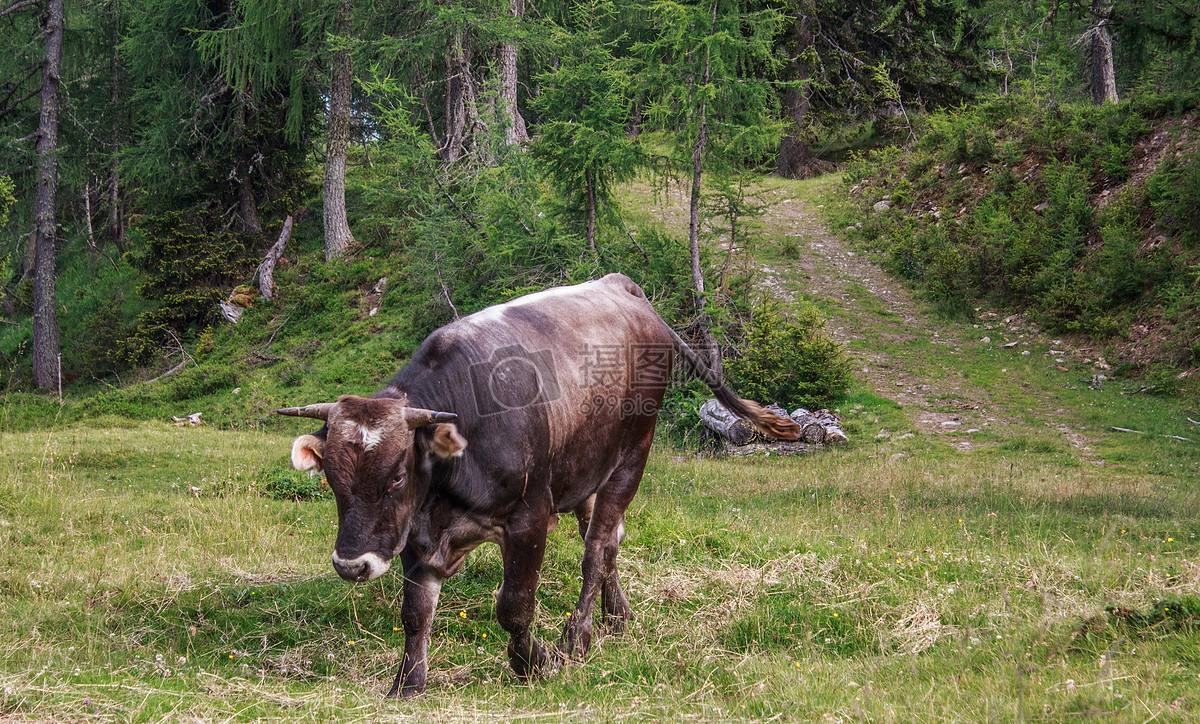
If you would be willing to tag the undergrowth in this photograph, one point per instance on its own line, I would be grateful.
(1085, 217)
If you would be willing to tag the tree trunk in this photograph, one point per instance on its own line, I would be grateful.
(248, 204)
(266, 268)
(1102, 77)
(515, 132)
(712, 352)
(337, 228)
(45, 313)
(795, 159)
(455, 111)
(730, 250)
(590, 183)
(116, 219)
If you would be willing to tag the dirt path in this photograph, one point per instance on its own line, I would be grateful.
(900, 350)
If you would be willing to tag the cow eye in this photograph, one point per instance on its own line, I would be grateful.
(396, 485)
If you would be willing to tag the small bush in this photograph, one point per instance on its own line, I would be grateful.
(787, 358)
(285, 484)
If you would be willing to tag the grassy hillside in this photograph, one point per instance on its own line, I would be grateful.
(1023, 562)
(1083, 217)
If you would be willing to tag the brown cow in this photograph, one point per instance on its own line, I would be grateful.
(554, 398)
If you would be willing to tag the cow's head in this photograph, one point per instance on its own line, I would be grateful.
(367, 453)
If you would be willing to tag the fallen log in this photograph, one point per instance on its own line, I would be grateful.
(737, 437)
(266, 268)
(724, 423)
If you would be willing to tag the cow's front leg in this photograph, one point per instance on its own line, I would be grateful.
(516, 604)
(421, 589)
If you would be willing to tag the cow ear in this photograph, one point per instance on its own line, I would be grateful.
(307, 451)
(447, 442)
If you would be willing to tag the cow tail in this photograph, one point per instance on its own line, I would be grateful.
(765, 421)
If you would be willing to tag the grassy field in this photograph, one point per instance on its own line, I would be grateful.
(1045, 569)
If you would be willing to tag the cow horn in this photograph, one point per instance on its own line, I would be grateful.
(418, 417)
(319, 411)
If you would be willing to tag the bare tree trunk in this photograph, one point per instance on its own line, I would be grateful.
(590, 183)
(477, 131)
(266, 268)
(515, 132)
(712, 352)
(87, 210)
(116, 220)
(456, 111)
(1102, 76)
(729, 251)
(796, 159)
(45, 313)
(248, 204)
(337, 228)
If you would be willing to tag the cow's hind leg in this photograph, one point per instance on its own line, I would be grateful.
(523, 549)
(601, 540)
(612, 599)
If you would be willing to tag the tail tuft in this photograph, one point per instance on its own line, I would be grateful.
(766, 422)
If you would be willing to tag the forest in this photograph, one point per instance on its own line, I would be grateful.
(970, 229)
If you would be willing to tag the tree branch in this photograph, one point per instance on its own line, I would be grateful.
(18, 6)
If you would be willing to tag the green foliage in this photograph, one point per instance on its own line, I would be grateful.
(282, 483)
(1036, 238)
(7, 199)
(717, 56)
(189, 263)
(786, 358)
(584, 106)
(1174, 192)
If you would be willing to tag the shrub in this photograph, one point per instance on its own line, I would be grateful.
(786, 358)
(281, 483)
(189, 262)
(1174, 192)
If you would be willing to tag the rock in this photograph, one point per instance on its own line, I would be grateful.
(1009, 345)
(1024, 353)
(1041, 208)
(985, 340)
(1097, 382)
(881, 205)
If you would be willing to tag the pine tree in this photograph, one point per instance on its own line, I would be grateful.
(584, 106)
(704, 73)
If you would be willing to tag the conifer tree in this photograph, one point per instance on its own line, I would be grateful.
(583, 108)
(705, 73)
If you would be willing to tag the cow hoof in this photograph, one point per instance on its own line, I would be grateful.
(405, 692)
(537, 663)
(576, 638)
(616, 622)
(616, 614)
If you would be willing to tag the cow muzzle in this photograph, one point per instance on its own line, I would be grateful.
(360, 569)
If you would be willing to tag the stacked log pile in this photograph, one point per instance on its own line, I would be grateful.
(736, 437)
